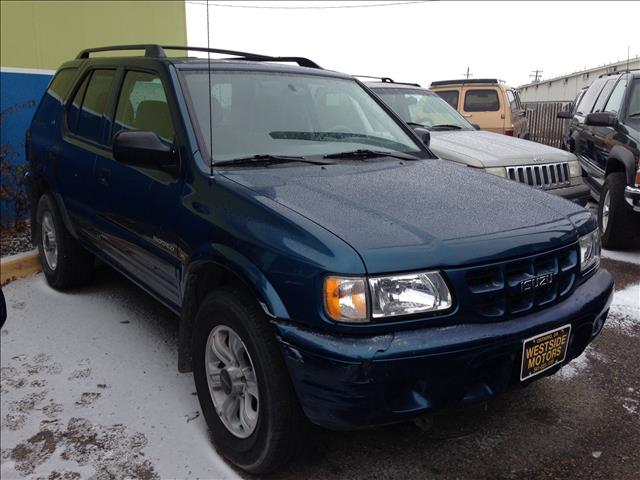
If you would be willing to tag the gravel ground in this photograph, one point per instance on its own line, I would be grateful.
(90, 388)
(15, 240)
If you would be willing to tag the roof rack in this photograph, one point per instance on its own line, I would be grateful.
(619, 72)
(158, 51)
(466, 80)
(387, 80)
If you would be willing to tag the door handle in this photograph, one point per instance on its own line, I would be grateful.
(104, 175)
(467, 115)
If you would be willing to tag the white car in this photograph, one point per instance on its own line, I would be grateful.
(453, 138)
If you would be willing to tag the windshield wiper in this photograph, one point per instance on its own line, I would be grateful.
(445, 126)
(362, 154)
(268, 158)
(633, 115)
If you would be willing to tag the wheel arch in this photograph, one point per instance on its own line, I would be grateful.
(621, 160)
(221, 266)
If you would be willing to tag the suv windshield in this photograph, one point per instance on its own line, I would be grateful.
(257, 113)
(417, 106)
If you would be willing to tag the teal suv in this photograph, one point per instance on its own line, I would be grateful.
(324, 265)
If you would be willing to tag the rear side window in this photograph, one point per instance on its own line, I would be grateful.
(450, 96)
(94, 104)
(74, 109)
(143, 106)
(481, 101)
(604, 95)
(615, 100)
(590, 97)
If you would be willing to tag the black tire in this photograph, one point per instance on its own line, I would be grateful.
(281, 426)
(74, 263)
(621, 225)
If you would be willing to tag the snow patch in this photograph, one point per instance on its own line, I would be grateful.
(625, 310)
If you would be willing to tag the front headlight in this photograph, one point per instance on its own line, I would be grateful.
(421, 292)
(574, 169)
(497, 171)
(346, 299)
(590, 251)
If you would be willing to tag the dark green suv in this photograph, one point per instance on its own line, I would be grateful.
(605, 136)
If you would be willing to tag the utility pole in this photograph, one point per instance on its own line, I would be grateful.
(537, 75)
(468, 74)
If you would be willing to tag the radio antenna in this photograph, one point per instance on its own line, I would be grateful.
(209, 95)
(628, 51)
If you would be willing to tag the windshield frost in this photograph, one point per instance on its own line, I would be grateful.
(418, 106)
(288, 114)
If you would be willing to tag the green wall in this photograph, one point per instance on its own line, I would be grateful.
(44, 34)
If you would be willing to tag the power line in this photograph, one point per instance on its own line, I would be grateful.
(316, 7)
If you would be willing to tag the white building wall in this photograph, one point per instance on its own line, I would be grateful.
(565, 88)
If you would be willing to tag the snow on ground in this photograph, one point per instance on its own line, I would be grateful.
(625, 310)
(90, 387)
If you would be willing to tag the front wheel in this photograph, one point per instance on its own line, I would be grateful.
(615, 218)
(243, 385)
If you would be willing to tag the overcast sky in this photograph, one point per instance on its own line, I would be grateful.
(428, 40)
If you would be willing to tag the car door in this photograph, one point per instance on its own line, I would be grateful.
(482, 106)
(604, 138)
(141, 203)
(583, 137)
(83, 127)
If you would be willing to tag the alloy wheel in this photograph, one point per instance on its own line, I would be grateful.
(49, 240)
(232, 381)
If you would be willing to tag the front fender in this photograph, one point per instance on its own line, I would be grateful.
(623, 155)
(246, 271)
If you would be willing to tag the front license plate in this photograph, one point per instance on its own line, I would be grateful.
(543, 351)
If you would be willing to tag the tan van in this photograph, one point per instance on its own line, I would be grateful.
(487, 103)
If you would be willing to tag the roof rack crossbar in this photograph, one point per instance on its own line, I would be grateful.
(158, 51)
(150, 50)
(466, 80)
(387, 80)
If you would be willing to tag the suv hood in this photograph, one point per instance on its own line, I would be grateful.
(486, 149)
(411, 215)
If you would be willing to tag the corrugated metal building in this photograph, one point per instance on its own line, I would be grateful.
(565, 88)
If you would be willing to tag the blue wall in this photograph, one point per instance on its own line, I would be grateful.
(20, 94)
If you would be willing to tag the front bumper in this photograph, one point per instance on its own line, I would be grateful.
(632, 197)
(579, 193)
(351, 382)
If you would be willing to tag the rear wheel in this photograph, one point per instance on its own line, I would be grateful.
(615, 218)
(243, 385)
(65, 262)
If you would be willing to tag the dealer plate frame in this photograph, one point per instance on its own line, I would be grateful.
(555, 363)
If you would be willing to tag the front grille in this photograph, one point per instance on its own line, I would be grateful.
(546, 176)
(496, 291)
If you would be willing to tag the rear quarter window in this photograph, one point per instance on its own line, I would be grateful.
(450, 96)
(481, 101)
(55, 96)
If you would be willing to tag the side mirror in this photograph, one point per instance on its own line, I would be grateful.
(476, 126)
(565, 115)
(143, 149)
(601, 119)
(424, 134)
